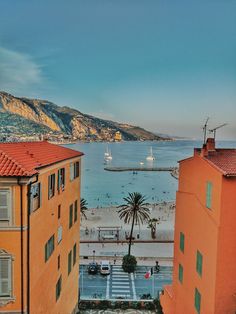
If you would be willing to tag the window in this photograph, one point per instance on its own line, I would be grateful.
(49, 248)
(59, 234)
(209, 195)
(58, 288)
(197, 302)
(69, 262)
(35, 196)
(181, 245)
(61, 179)
(5, 275)
(59, 212)
(199, 263)
(74, 254)
(74, 170)
(58, 262)
(51, 185)
(5, 205)
(75, 211)
(181, 273)
(71, 216)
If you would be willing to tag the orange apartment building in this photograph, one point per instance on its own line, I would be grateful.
(204, 278)
(39, 228)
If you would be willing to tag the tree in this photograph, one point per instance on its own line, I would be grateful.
(83, 208)
(134, 210)
(152, 223)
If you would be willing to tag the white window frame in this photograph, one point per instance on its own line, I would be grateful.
(8, 220)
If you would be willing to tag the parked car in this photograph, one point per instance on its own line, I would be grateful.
(105, 268)
(93, 268)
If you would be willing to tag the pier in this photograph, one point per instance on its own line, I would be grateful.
(170, 169)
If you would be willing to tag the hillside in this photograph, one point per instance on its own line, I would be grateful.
(30, 118)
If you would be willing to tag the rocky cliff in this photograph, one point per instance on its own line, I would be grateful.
(23, 117)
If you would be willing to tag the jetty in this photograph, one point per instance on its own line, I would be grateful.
(170, 169)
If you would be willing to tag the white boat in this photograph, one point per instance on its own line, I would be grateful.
(107, 155)
(150, 157)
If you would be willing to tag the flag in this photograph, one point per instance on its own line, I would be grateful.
(147, 275)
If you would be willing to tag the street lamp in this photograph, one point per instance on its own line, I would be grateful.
(93, 255)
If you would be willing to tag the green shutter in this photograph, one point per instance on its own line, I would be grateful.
(71, 216)
(209, 195)
(197, 301)
(76, 211)
(181, 273)
(4, 204)
(199, 263)
(49, 248)
(181, 245)
(69, 262)
(58, 288)
(74, 254)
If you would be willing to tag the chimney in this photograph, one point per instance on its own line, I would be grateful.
(209, 146)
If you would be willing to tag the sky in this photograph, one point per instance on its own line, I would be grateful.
(163, 65)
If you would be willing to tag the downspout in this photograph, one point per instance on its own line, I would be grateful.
(21, 246)
(28, 241)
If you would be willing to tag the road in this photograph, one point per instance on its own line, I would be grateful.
(120, 285)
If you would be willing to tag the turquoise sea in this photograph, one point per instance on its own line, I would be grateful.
(104, 188)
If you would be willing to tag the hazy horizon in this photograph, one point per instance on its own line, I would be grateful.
(163, 66)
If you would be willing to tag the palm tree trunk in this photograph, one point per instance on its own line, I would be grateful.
(131, 234)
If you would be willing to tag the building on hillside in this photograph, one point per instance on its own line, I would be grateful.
(204, 279)
(118, 136)
(39, 228)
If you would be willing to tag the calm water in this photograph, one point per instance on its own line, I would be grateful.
(104, 188)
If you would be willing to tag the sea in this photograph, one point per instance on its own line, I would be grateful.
(103, 188)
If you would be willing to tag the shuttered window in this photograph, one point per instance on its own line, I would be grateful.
(197, 301)
(35, 196)
(49, 248)
(181, 273)
(61, 179)
(71, 216)
(74, 254)
(181, 245)
(199, 263)
(5, 205)
(51, 185)
(209, 195)
(74, 170)
(5, 277)
(58, 288)
(75, 211)
(69, 262)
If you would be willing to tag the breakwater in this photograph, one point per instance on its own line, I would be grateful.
(140, 168)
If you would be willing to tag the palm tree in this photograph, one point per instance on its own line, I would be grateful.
(152, 223)
(134, 210)
(83, 208)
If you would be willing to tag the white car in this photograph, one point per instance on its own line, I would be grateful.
(105, 268)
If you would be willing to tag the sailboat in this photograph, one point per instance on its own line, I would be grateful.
(150, 157)
(107, 154)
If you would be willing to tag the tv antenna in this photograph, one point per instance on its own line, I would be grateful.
(218, 127)
(205, 130)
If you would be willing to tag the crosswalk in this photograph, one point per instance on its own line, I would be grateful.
(121, 283)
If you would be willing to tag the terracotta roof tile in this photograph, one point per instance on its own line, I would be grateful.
(25, 158)
(224, 160)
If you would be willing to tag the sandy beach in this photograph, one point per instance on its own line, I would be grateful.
(146, 249)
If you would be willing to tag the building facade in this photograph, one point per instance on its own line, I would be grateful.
(39, 228)
(204, 278)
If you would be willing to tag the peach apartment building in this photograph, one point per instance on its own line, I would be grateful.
(39, 228)
(204, 279)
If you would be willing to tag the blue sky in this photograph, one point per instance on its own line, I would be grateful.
(163, 65)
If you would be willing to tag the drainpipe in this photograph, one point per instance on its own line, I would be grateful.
(21, 245)
(28, 241)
